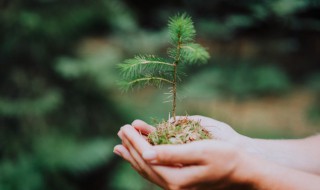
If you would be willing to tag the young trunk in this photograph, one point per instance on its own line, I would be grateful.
(174, 85)
(174, 91)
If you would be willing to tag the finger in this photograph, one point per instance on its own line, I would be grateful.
(144, 169)
(134, 156)
(120, 135)
(135, 139)
(143, 127)
(121, 151)
(124, 153)
(187, 175)
(186, 154)
(181, 177)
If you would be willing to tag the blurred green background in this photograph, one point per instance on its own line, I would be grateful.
(60, 106)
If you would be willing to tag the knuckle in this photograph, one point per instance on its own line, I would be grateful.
(162, 155)
(235, 153)
(233, 156)
(205, 150)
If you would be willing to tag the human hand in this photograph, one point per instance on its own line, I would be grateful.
(185, 172)
(207, 163)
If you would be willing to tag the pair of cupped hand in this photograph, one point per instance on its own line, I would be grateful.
(206, 164)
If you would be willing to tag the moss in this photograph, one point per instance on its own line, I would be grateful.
(180, 132)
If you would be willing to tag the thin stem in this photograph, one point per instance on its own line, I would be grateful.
(188, 47)
(150, 78)
(152, 62)
(174, 92)
(174, 84)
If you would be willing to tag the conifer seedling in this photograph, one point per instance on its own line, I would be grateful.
(144, 70)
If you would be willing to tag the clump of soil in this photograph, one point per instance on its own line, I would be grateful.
(180, 132)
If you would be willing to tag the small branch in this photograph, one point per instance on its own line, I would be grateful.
(152, 62)
(158, 62)
(150, 78)
(188, 47)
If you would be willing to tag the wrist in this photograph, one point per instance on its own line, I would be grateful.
(244, 168)
(249, 159)
(250, 146)
(256, 173)
(243, 143)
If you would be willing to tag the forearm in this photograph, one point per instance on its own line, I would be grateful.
(264, 175)
(301, 154)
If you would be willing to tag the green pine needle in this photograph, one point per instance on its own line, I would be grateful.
(181, 29)
(194, 53)
(131, 68)
(145, 70)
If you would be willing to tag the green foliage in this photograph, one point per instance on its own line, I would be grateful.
(56, 153)
(313, 84)
(126, 178)
(293, 15)
(55, 108)
(239, 81)
(287, 7)
(194, 53)
(20, 174)
(145, 70)
(181, 29)
(98, 69)
(21, 107)
(50, 155)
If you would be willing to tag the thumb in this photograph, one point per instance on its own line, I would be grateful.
(191, 153)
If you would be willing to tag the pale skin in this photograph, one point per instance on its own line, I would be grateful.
(231, 161)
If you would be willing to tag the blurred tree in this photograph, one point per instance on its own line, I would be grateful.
(53, 126)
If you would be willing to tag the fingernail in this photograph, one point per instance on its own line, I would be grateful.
(149, 155)
(135, 122)
(117, 153)
(120, 135)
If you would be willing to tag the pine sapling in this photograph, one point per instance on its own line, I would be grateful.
(146, 70)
